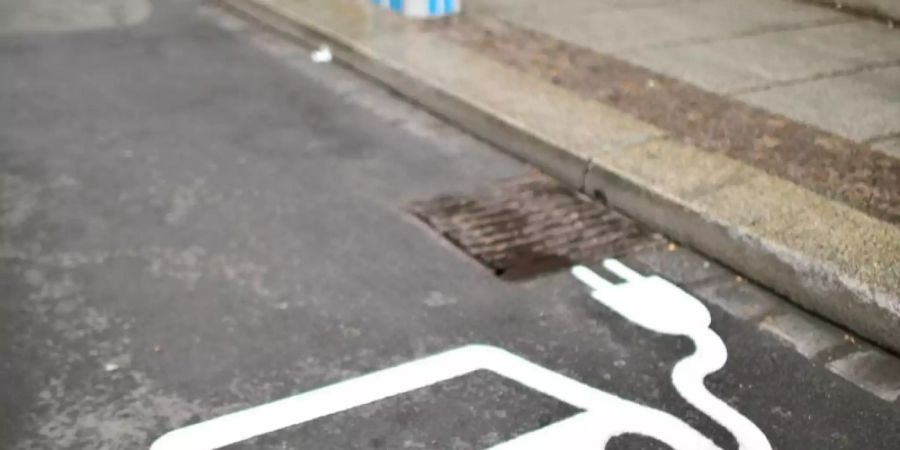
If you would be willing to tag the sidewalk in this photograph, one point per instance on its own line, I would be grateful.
(766, 134)
(811, 64)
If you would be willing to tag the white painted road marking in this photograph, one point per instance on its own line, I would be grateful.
(660, 306)
(605, 415)
(650, 302)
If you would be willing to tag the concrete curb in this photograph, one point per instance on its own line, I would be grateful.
(866, 301)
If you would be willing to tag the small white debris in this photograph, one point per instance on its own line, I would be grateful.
(110, 367)
(436, 299)
(322, 55)
(651, 83)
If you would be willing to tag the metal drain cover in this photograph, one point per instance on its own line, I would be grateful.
(529, 226)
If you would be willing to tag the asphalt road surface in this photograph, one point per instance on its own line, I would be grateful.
(195, 220)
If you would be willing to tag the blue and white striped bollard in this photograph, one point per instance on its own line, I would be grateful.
(421, 8)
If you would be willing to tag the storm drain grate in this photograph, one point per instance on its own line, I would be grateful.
(528, 226)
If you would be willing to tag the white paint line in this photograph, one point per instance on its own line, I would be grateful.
(613, 415)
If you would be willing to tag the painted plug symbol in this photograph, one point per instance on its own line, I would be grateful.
(658, 305)
(649, 301)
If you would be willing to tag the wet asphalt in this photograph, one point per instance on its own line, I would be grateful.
(190, 226)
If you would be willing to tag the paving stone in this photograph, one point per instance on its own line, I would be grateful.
(740, 299)
(874, 371)
(807, 335)
(680, 266)
(607, 29)
(755, 61)
(858, 106)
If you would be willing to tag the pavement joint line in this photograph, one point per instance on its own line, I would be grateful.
(882, 137)
(762, 31)
(592, 162)
(639, 6)
(584, 177)
(862, 68)
(871, 14)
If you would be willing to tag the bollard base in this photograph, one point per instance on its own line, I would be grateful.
(421, 9)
